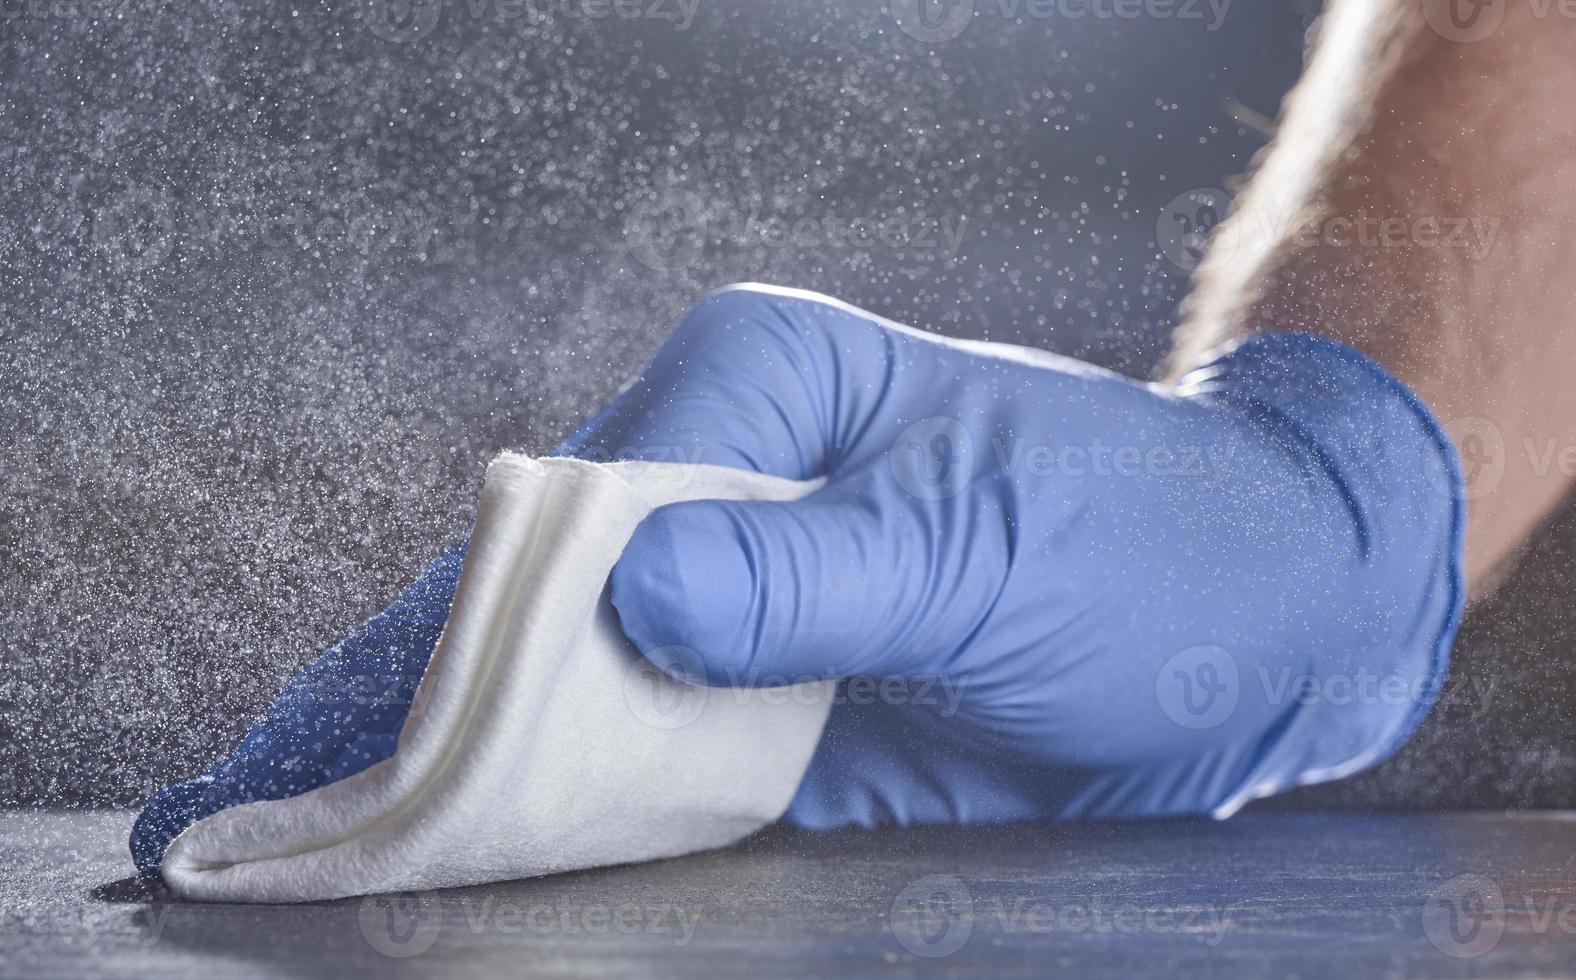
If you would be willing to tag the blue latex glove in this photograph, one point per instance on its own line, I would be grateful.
(1150, 601)
(1083, 596)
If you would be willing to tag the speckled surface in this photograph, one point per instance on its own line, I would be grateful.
(1270, 895)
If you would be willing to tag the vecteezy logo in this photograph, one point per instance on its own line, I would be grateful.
(934, 458)
(1481, 447)
(1465, 917)
(1198, 688)
(402, 925)
(426, 690)
(1188, 222)
(932, 21)
(933, 916)
(667, 231)
(401, 21)
(59, 222)
(135, 231)
(669, 696)
(1464, 21)
(150, 920)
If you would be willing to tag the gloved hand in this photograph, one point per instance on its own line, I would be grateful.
(1057, 592)
(1109, 598)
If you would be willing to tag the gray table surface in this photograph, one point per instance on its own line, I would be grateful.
(1272, 894)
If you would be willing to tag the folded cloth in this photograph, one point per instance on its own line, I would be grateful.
(540, 739)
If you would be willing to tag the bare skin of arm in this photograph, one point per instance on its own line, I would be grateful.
(1416, 204)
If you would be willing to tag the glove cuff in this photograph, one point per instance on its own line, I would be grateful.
(1350, 422)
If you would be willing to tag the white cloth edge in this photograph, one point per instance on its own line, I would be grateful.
(491, 779)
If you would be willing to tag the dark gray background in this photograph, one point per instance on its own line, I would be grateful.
(273, 288)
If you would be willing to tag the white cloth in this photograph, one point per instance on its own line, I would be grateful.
(539, 740)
